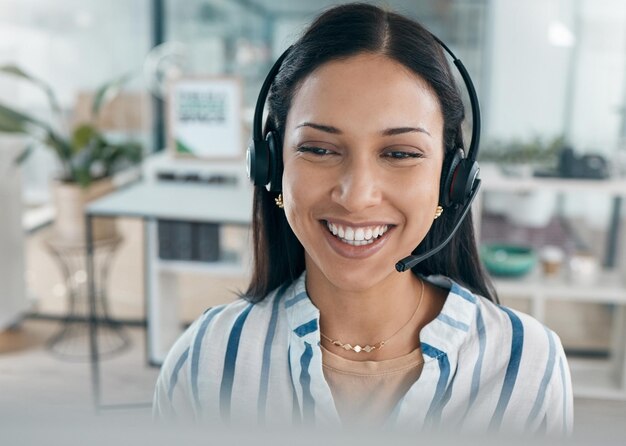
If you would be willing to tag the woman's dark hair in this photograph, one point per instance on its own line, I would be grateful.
(339, 33)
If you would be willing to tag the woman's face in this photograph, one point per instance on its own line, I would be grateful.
(362, 159)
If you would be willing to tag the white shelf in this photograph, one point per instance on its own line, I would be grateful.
(609, 287)
(35, 218)
(225, 268)
(494, 180)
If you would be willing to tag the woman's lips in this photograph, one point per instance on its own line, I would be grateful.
(356, 241)
(357, 235)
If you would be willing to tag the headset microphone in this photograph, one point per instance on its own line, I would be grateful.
(412, 260)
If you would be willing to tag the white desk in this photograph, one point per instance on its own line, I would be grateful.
(153, 201)
(178, 201)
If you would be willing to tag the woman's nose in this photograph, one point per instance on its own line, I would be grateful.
(358, 187)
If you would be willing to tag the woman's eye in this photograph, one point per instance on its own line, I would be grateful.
(400, 154)
(314, 150)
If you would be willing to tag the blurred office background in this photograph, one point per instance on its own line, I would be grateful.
(551, 77)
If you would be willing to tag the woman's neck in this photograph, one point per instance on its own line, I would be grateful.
(375, 314)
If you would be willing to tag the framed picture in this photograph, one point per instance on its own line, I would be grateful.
(205, 118)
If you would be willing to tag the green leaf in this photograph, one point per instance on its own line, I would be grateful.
(25, 154)
(108, 92)
(82, 177)
(182, 147)
(61, 146)
(10, 124)
(84, 135)
(16, 71)
(14, 121)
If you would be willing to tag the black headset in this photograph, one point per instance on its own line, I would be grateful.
(459, 176)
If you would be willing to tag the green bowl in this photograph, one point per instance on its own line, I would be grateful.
(508, 260)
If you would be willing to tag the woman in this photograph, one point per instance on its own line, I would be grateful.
(328, 332)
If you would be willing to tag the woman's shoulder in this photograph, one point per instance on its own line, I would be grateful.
(519, 359)
(510, 336)
(217, 324)
(521, 327)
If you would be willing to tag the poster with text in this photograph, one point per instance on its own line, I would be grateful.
(205, 118)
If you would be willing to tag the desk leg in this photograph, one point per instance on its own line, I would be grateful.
(162, 315)
(93, 316)
(618, 347)
(612, 240)
(151, 249)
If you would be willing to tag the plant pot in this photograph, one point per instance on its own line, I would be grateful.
(69, 201)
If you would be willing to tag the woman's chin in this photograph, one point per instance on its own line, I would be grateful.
(357, 280)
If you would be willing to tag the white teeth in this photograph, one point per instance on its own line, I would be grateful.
(357, 236)
(349, 233)
(358, 242)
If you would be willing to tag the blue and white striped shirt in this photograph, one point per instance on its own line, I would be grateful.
(486, 368)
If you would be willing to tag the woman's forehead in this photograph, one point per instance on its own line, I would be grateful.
(366, 89)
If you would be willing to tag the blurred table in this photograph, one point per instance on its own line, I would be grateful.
(152, 201)
(69, 342)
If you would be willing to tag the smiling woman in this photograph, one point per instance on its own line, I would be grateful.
(357, 168)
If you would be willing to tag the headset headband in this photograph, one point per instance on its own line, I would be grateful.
(472, 154)
(257, 122)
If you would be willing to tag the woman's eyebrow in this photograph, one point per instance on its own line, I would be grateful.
(386, 132)
(400, 130)
(323, 128)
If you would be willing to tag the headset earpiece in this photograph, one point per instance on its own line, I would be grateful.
(464, 181)
(264, 162)
(447, 176)
(275, 175)
(257, 162)
(458, 182)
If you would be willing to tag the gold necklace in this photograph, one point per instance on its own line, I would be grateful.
(369, 348)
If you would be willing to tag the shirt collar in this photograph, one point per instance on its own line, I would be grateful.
(451, 328)
(302, 315)
(446, 333)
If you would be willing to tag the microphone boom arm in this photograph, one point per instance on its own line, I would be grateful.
(412, 260)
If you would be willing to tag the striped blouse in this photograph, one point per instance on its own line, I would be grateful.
(486, 368)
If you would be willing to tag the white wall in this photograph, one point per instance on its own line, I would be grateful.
(529, 76)
(601, 76)
(12, 286)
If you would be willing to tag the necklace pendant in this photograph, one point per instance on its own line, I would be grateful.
(357, 348)
(367, 348)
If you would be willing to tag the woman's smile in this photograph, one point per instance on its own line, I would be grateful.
(357, 235)
(355, 241)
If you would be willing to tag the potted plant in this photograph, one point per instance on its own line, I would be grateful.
(88, 159)
(519, 158)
